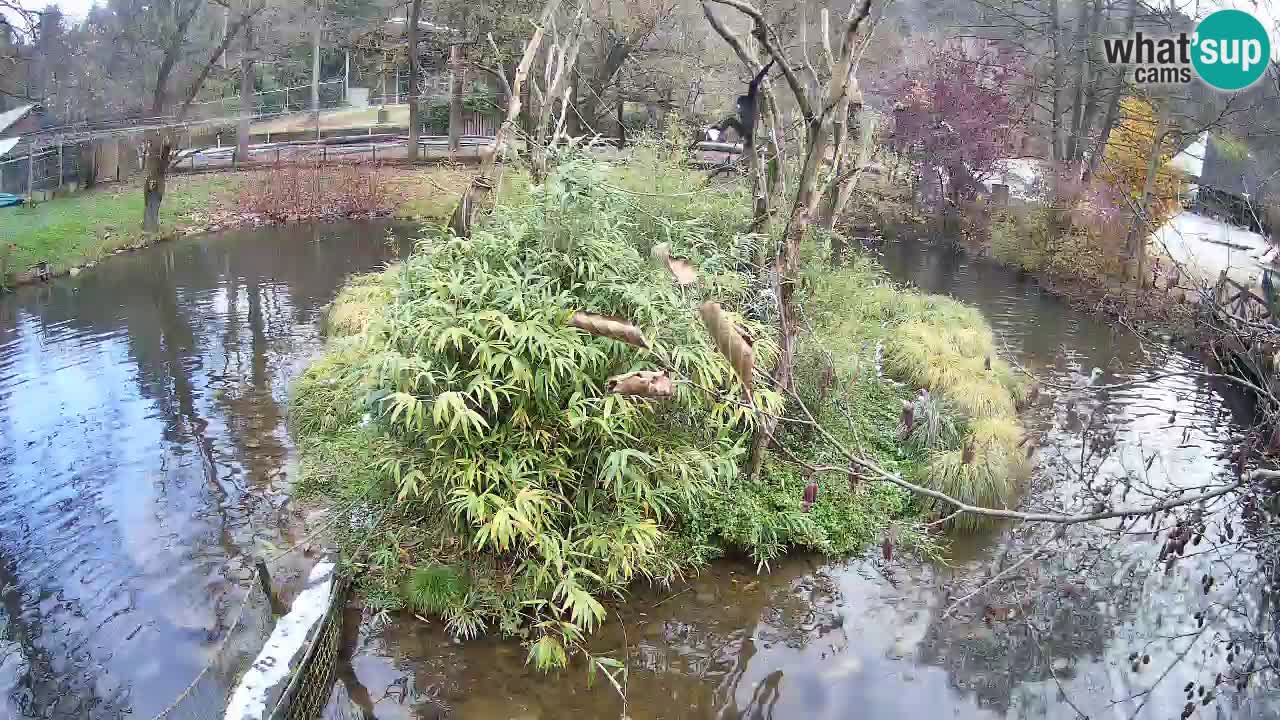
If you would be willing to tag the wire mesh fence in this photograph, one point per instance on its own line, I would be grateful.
(43, 169)
(205, 698)
(278, 101)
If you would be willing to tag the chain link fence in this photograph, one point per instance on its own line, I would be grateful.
(206, 697)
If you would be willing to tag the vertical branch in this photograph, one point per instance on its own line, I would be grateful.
(761, 195)
(786, 264)
(456, 79)
(1055, 44)
(479, 195)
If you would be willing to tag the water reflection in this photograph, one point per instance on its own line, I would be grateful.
(815, 639)
(145, 457)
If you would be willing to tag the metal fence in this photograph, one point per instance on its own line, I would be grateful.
(333, 94)
(69, 157)
(43, 169)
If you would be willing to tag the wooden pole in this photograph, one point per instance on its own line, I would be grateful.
(59, 165)
(455, 99)
(31, 173)
(264, 579)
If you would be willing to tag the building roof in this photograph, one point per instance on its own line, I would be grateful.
(8, 118)
(1239, 167)
(1191, 160)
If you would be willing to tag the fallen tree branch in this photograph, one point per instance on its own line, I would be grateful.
(1057, 518)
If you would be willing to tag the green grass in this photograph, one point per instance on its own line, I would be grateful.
(431, 193)
(936, 343)
(82, 227)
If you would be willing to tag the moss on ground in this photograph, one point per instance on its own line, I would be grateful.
(935, 343)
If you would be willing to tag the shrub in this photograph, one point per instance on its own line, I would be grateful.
(1126, 157)
(1019, 237)
(457, 413)
(502, 429)
(357, 306)
(436, 589)
(295, 192)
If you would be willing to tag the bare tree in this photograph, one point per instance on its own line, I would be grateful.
(552, 90)
(816, 110)
(479, 195)
(174, 19)
(456, 70)
(246, 94)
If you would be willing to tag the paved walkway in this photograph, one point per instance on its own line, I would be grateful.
(1206, 247)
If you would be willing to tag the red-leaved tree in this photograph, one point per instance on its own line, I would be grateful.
(961, 110)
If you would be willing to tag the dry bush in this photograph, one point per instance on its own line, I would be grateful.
(296, 192)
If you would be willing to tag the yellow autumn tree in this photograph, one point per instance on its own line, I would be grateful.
(1128, 152)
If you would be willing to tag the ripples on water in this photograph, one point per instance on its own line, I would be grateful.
(826, 640)
(144, 457)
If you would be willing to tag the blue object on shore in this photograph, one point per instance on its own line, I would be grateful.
(9, 200)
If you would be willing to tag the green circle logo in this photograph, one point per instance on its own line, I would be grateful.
(1232, 49)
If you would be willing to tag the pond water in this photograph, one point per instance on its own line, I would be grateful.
(144, 457)
(818, 639)
(144, 460)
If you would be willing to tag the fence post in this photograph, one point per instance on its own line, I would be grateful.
(31, 173)
(59, 165)
(264, 580)
(375, 153)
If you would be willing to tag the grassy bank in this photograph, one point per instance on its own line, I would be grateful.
(84, 227)
(502, 485)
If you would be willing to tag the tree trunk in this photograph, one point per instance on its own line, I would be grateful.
(455, 99)
(573, 122)
(480, 193)
(1082, 39)
(786, 270)
(840, 135)
(622, 128)
(246, 97)
(415, 12)
(1113, 103)
(1138, 232)
(1090, 77)
(1055, 126)
(848, 185)
(159, 142)
(158, 149)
